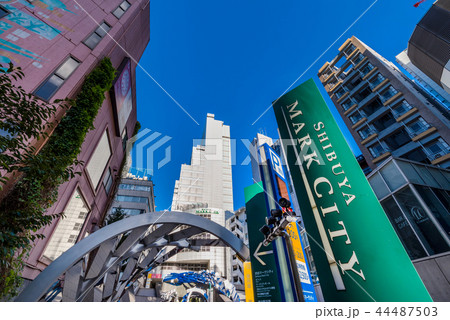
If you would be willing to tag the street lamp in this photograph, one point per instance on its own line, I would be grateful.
(276, 227)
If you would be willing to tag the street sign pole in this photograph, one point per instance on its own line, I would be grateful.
(294, 268)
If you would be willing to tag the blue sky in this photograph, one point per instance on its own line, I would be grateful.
(233, 58)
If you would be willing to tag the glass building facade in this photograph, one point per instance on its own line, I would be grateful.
(416, 200)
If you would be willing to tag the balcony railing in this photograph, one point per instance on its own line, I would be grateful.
(340, 93)
(417, 128)
(366, 69)
(436, 155)
(389, 93)
(366, 133)
(349, 50)
(443, 147)
(380, 150)
(376, 81)
(401, 109)
(355, 118)
(358, 59)
(346, 105)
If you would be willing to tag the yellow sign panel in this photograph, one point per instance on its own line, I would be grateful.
(248, 281)
(295, 240)
(292, 230)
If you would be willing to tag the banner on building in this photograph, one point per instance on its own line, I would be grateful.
(122, 96)
(357, 254)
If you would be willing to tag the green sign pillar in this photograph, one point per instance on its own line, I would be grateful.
(265, 278)
(357, 253)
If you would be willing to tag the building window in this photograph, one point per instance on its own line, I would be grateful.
(437, 208)
(125, 186)
(372, 107)
(77, 226)
(421, 222)
(119, 12)
(384, 122)
(366, 69)
(366, 132)
(358, 58)
(99, 160)
(350, 49)
(437, 149)
(377, 150)
(130, 212)
(340, 93)
(72, 238)
(93, 40)
(353, 83)
(107, 181)
(132, 199)
(400, 109)
(403, 229)
(388, 93)
(417, 127)
(49, 87)
(374, 81)
(362, 94)
(124, 139)
(347, 104)
(397, 139)
(356, 117)
(3, 12)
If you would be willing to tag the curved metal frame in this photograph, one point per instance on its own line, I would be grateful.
(106, 252)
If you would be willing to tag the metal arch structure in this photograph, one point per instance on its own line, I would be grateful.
(104, 265)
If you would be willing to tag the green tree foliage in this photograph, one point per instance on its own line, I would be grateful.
(22, 118)
(116, 215)
(23, 210)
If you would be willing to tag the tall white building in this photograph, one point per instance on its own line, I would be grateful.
(207, 179)
(205, 188)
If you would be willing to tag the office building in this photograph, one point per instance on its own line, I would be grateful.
(134, 195)
(429, 45)
(205, 188)
(207, 179)
(386, 112)
(237, 224)
(57, 44)
(415, 199)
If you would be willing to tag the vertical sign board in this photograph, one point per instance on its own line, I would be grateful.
(265, 278)
(309, 293)
(279, 187)
(248, 282)
(357, 253)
